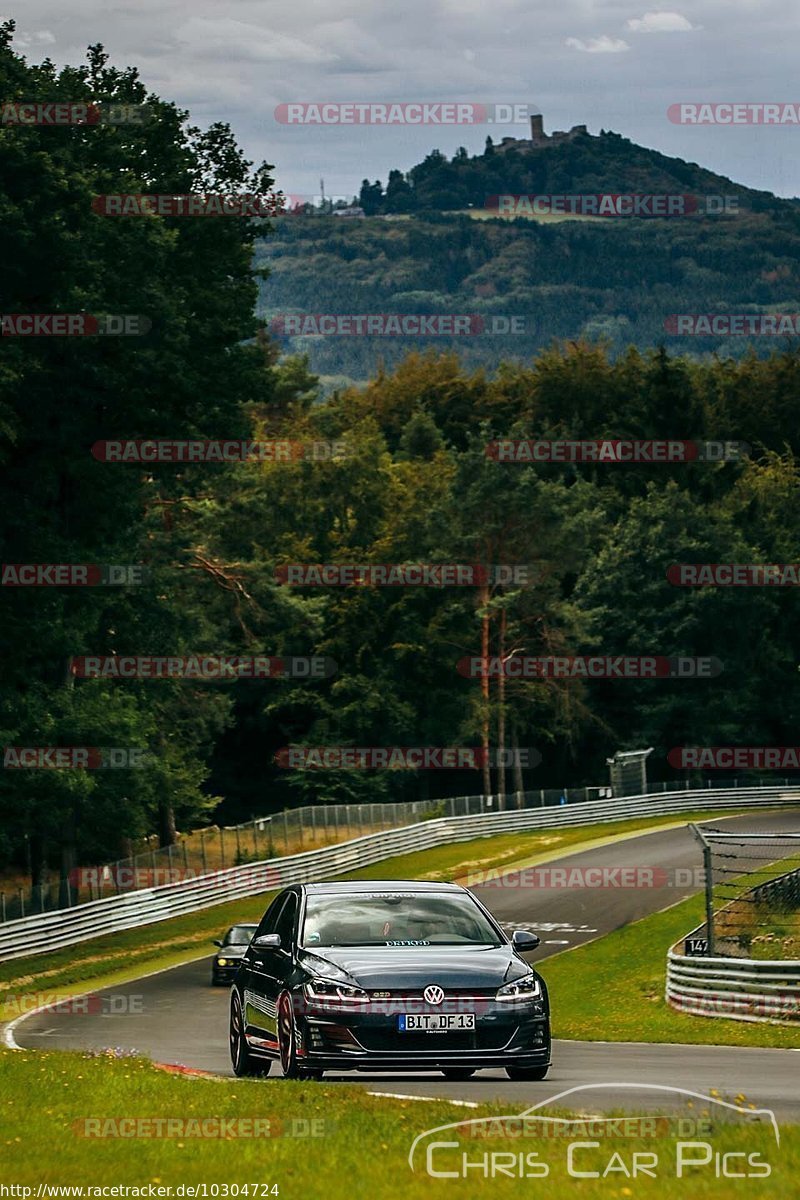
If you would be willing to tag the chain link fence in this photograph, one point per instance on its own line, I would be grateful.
(292, 831)
(752, 892)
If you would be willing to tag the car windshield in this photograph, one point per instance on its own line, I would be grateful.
(239, 935)
(396, 919)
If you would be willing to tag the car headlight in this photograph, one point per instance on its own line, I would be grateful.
(527, 987)
(222, 962)
(329, 991)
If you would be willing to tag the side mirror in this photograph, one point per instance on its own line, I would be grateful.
(216, 942)
(267, 941)
(521, 939)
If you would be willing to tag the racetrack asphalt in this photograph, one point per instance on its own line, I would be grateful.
(175, 1016)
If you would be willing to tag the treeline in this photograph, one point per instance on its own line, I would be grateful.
(413, 484)
(611, 281)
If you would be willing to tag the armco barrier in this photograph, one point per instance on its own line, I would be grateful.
(67, 927)
(741, 989)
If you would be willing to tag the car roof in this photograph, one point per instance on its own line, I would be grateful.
(379, 885)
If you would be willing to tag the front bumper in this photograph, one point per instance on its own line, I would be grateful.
(504, 1035)
(224, 974)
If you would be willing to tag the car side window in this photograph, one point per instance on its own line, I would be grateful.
(270, 919)
(286, 921)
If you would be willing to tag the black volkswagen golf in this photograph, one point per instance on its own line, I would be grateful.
(387, 976)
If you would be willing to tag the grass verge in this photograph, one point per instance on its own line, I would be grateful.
(613, 990)
(359, 1147)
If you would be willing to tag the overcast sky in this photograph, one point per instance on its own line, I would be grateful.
(609, 64)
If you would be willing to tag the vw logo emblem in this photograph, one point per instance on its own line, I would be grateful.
(433, 994)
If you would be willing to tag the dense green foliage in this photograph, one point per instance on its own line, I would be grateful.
(414, 486)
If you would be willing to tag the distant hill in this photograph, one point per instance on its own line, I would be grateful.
(617, 278)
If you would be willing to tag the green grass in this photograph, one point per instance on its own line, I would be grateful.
(115, 958)
(613, 990)
(361, 1148)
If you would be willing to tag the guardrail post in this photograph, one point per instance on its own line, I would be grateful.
(21, 902)
(698, 833)
(3, 906)
(286, 830)
(238, 846)
(203, 850)
(222, 844)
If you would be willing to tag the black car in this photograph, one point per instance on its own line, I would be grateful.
(226, 961)
(387, 976)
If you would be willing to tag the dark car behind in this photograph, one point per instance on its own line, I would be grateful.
(232, 946)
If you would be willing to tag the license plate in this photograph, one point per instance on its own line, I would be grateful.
(435, 1022)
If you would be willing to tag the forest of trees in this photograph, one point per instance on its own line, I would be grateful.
(610, 280)
(415, 485)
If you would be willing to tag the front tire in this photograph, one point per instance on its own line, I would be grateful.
(527, 1072)
(287, 1043)
(244, 1063)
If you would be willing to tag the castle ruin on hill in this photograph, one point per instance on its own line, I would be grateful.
(540, 139)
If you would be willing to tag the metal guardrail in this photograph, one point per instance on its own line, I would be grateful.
(68, 927)
(741, 989)
(293, 831)
(784, 889)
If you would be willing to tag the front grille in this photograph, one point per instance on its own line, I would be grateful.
(449, 994)
(433, 1043)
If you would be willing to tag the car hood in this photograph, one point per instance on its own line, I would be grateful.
(231, 951)
(398, 967)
